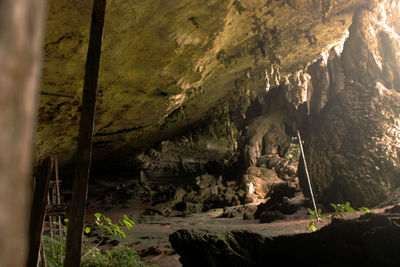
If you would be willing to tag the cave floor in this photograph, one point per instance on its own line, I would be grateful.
(150, 234)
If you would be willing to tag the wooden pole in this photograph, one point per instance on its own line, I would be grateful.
(307, 174)
(60, 229)
(43, 254)
(21, 44)
(51, 226)
(39, 210)
(84, 152)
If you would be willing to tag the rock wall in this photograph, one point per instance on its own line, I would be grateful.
(370, 240)
(166, 64)
(193, 86)
(352, 138)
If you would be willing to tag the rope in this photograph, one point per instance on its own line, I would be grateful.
(308, 176)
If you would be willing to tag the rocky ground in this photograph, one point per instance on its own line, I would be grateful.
(370, 240)
(266, 204)
(266, 201)
(150, 234)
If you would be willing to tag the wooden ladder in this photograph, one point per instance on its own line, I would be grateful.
(46, 203)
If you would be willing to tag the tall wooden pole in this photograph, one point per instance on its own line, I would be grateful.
(38, 210)
(307, 174)
(84, 152)
(21, 43)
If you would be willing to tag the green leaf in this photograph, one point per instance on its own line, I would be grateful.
(364, 209)
(87, 229)
(122, 234)
(312, 227)
(98, 215)
(350, 209)
(109, 253)
(108, 229)
(127, 223)
(66, 220)
(129, 220)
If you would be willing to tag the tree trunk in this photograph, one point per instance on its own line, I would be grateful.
(21, 39)
(84, 152)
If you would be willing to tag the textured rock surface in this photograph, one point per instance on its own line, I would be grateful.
(352, 145)
(166, 64)
(260, 181)
(371, 240)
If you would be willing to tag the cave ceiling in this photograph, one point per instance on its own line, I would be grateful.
(166, 64)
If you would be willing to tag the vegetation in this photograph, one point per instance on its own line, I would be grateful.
(339, 211)
(93, 256)
(293, 153)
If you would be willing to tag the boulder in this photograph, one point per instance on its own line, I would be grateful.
(270, 216)
(238, 211)
(260, 181)
(284, 199)
(285, 168)
(371, 240)
(247, 215)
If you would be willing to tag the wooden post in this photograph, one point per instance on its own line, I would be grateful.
(60, 229)
(83, 158)
(21, 44)
(43, 254)
(38, 210)
(307, 174)
(51, 227)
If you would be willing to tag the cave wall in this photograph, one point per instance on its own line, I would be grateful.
(195, 86)
(352, 138)
(166, 64)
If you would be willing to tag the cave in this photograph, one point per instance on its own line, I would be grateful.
(221, 133)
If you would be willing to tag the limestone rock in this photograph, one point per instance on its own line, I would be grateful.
(284, 199)
(239, 211)
(285, 168)
(352, 145)
(371, 240)
(207, 193)
(260, 181)
(166, 64)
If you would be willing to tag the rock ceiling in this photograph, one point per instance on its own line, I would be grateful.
(166, 64)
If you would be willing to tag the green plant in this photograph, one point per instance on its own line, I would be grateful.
(123, 256)
(93, 255)
(104, 222)
(339, 211)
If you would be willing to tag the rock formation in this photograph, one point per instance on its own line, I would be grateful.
(352, 142)
(169, 64)
(195, 87)
(370, 240)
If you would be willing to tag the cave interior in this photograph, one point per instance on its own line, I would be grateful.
(199, 109)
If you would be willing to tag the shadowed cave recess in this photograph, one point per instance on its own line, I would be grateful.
(198, 107)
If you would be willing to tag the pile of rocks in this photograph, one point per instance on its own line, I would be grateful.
(207, 193)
